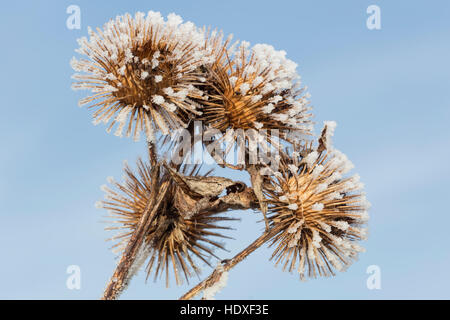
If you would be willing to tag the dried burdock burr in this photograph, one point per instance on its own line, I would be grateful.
(141, 71)
(316, 213)
(176, 238)
(253, 88)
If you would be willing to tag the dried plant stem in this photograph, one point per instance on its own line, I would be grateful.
(121, 275)
(257, 181)
(152, 153)
(226, 266)
(245, 199)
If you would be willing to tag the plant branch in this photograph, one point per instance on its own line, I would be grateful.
(257, 181)
(241, 198)
(152, 153)
(122, 276)
(226, 266)
(256, 202)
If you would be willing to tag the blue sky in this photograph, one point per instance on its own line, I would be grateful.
(387, 89)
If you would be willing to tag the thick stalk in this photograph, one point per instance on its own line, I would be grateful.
(226, 266)
(121, 276)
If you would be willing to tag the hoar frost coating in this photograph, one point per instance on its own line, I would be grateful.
(210, 292)
(254, 88)
(141, 72)
(317, 215)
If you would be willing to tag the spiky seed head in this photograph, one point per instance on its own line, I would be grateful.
(316, 214)
(255, 88)
(141, 72)
(174, 240)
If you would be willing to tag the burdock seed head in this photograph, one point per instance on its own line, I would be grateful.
(174, 240)
(142, 72)
(317, 215)
(253, 88)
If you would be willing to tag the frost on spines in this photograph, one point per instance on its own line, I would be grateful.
(131, 61)
(317, 213)
(253, 88)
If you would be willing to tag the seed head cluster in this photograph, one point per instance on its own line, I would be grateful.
(316, 213)
(147, 73)
(157, 75)
(174, 241)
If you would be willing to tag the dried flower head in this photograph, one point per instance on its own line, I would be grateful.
(316, 214)
(255, 88)
(173, 240)
(142, 72)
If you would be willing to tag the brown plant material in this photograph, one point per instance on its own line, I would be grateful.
(150, 74)
(325, 136)
(201, 186)
(253, 89)
(316, 214)
(141, 71)
(180, 226)
(257, 183)
(226, 266)
(122, 274)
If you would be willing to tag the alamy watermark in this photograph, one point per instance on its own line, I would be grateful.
(74, 19)
(373, 22)
(73, 281)
(234, 147)
(373, 282)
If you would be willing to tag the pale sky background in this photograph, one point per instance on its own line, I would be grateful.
(387, 89)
